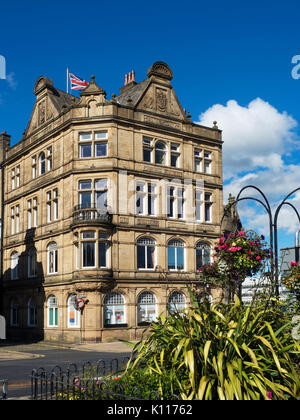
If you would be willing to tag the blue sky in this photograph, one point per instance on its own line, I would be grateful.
(231, 62)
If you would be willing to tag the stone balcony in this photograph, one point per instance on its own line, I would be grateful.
(84, 215)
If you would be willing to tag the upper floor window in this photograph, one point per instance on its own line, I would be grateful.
(175, 155)
(175, 202)
(92, 250)
(203, 252)
(14, 261)
(147, 149)
(146, 254)
(176, 257)
(32, 262)
(93, 194)
(146, 198)
(203, 206)
(15, 219)
(93, 144)
(42, 163)
(160, 153)
(52, 205)
(32, 213)
(52, 258)
(203, 161)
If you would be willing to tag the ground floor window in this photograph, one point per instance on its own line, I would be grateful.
(114, 310)
(14, 313)
(52, 312)
(147, 308)
(73, 312)
(32, 313)
(177, 302)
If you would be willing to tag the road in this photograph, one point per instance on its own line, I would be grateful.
(17, 362)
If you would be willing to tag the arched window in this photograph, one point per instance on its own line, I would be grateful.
(42, 163)
(177, 302)
(52, 263)
(147, 308)
(114, 310)
(14, 261)
(14, 313)
(160, 153)
(203, 252)
(52, 309)
(32, 271)
(176, 255)
(32, 312)
(146, 254)
(73, 312)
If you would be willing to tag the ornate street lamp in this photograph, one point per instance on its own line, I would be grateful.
(273, 229)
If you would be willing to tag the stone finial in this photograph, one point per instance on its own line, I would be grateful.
(215, 127)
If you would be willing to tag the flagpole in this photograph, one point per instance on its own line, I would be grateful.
(67, 80)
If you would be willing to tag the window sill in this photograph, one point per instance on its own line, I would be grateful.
(115, 326)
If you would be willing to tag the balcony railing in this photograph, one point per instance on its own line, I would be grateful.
(91, 213)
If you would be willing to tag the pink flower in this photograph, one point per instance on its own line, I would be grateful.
(241, 232)
(233, 249)
(239, 248)
(249, 252)
(251, 243)
(269, 395)
(293, 263)
(258, 257)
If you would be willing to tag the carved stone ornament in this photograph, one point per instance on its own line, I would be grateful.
(160, 69)
(161, 100)
(42, 113)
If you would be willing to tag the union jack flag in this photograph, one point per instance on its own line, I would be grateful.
(76, 83)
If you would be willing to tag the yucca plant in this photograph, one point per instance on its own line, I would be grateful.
(225, 352)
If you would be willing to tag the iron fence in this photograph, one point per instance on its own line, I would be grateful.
(91, 381)
(3, 389)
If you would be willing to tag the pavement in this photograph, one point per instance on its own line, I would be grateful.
(16, 351)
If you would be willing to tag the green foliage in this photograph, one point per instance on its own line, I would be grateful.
(226, 352)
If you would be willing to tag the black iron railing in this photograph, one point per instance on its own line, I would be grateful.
(91, 381)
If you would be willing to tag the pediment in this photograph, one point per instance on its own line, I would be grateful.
(162, 100)
(43, 111)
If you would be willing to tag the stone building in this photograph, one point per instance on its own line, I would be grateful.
(109, 207)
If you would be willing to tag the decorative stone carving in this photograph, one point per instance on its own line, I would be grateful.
(161, 100)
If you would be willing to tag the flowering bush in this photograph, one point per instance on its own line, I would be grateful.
(292, 281)
(243, 253)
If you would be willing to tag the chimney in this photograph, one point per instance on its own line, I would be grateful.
(4, 145)
(129, 81)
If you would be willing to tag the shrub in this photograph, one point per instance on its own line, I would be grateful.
(222, 352)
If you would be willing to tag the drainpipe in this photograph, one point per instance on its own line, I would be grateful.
(297, 238)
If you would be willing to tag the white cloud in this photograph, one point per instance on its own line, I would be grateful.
(11, 80)
(258, 142)
(254, 136)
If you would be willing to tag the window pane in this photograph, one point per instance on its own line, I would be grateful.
(150, 256)
(88, 254)
(101, 149)
(141, 263)
(174, 160)
(101, 200)
(147, 155)
(171, 258)
(85, 136)
(85, 150)
(180, 258)
(85, 200)
(159, 157)
(85, 185)
(88, 234)
(102, 254)
(101, 135)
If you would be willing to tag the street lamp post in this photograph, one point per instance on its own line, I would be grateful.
(273, 229)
